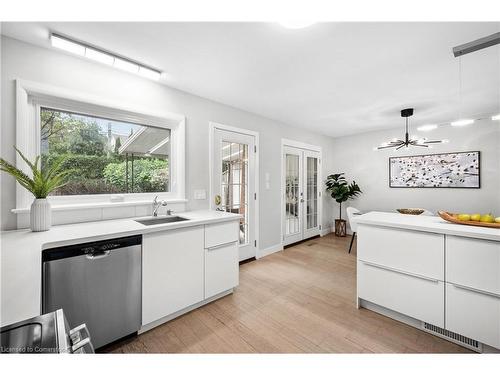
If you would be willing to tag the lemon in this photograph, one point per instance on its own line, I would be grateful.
(497, 219)
(464, 217)
(487, 218)
(475, 217)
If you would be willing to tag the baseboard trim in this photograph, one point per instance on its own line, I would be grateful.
(270, 250)
(325, 231)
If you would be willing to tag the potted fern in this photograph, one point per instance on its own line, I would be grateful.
(341, 191)
(40, 185)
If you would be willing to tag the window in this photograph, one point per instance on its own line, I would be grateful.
(118, 153)
(235, 183)
(105, 156)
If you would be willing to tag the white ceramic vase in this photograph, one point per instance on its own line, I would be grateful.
(40, 215)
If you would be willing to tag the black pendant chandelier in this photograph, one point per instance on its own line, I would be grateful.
(399, 143)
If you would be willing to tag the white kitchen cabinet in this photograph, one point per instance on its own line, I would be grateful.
(172, 271)
(473, 313)
(221, 268)
(221, 233)
(415, 296)
(421, 253)
(473, 263)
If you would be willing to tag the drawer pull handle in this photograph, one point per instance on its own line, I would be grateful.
(221, 245)
(401, 272)
(477, 290)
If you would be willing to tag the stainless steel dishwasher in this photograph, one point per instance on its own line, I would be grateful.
(97, 283)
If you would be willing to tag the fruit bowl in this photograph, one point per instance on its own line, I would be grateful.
(453, 218)
(410, 211)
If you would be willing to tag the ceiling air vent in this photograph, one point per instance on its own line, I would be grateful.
(454, 337)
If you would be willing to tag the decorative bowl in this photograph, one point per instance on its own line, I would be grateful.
(410, 211)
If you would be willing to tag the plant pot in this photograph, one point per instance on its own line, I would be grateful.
(340, 227)
(40, 215)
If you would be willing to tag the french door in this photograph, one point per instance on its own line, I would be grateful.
(233, 183)
(302, 196)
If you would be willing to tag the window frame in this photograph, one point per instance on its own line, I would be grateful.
(32, 96)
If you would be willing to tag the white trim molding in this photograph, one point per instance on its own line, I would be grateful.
(215, 125)
(269, 250)
(31, 96)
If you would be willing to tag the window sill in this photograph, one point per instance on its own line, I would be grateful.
(83, 206)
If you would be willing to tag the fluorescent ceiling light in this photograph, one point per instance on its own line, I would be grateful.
(67, 45)
(463, 122)
(99, 56)
(496, 117)
(126, 65)
(149, 73)
(296, 24)
(426, 128)
(102, 56)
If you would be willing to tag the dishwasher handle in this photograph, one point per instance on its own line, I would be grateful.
(98, 255)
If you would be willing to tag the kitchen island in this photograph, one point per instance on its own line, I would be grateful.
(434, 275)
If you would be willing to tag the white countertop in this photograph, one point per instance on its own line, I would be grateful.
(21, 254)
(426, 224)
(62, 235)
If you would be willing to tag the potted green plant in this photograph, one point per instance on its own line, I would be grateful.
(341, 191)
(40, 185)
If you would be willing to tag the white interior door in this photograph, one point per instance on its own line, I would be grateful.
(233, 183)
(301, 194)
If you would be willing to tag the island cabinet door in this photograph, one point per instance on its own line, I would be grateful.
(418, 297)
(421, 253)
(172, 271)
(473, 313)
(473, 263)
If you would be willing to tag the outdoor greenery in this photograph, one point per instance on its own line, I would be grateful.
(340, 189)
(43, 182)
(95, 165)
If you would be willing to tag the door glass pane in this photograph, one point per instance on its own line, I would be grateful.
(292, 194)
(234, 184)
(312, 193)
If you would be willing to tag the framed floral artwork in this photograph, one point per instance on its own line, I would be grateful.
(447, 170)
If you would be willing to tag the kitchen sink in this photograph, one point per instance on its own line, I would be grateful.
(161, 220)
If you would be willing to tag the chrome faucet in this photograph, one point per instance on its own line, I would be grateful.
(156, 205)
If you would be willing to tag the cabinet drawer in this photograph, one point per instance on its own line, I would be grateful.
(221, 269)
(473, 314)
(222, 233)
(474, 263)
(416, 252)
(417, 297)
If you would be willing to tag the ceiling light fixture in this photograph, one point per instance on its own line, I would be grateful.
(296, 24)
(408, 141)
(462, 122)
(427, 128)
(496, 117)
(102, 56)
(67, 45)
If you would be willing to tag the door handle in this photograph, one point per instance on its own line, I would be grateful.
(104, 254)
(221, 245)
(399, 271)
(477, 290)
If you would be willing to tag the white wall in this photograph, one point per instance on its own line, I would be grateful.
(25, 61)
(354, 155)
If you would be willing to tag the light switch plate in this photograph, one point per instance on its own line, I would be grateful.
(200, 194)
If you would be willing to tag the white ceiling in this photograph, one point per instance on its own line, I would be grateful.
(331, 78)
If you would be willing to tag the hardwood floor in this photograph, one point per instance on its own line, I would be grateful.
(301, 300)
